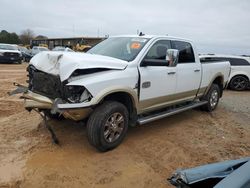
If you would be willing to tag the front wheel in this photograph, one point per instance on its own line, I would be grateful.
(212, 98)
(107, 126)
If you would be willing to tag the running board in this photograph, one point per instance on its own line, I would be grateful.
(147, 119)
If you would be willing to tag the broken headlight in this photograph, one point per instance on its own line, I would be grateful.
(77, 94)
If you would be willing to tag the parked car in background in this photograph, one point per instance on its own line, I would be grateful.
(26, 54)
(122, 81)
(10, 54)
(239, 78)
(36, 49)
(62, 49)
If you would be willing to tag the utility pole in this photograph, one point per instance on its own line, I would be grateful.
(74, 30)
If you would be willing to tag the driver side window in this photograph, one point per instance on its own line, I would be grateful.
(159, 50)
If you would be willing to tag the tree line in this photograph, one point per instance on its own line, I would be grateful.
(24, 38)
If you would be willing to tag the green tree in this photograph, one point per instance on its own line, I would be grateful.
(10, 38)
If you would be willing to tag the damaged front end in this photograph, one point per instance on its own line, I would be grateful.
(45, 91)
(51, 85)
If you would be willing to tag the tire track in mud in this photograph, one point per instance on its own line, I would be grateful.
(214, 138)
(14, 143)
(15, 125)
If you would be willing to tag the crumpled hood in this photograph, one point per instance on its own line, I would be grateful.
(65, 63)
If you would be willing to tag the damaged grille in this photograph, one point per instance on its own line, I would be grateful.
(45, 84)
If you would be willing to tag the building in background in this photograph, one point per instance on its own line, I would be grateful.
(75, 43)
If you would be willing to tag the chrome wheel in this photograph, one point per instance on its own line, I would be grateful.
(113, 127)
(214, 98)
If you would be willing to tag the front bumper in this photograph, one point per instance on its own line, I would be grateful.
(4, 59)
(36, 101)
(33, 100)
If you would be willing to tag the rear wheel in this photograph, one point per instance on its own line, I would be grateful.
(212, 98)
(107, 126)
(239, 83)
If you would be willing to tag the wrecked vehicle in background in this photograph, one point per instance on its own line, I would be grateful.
(122, 81)
(227, 174)
(62, 49)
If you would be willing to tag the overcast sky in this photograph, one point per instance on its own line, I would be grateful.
(221, 26)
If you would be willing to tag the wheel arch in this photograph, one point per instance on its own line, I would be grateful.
(219, 80)
(126, 98)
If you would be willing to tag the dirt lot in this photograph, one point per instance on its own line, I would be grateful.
(148, 155)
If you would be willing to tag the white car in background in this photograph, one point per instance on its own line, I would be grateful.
(36, 49)
(239, 78)
(62, 49)
(9, 54)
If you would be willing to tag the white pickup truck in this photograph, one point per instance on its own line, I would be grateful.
(122, 81)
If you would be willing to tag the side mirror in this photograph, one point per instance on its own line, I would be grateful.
(172, 57)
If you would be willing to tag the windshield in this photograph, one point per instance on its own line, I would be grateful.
(7, 47)
(124, 48)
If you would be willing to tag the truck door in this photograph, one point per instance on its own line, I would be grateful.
(157, 82)
(188, 71)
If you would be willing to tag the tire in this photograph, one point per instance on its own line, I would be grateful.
(107, 125)
(239, 83)
(213, 97)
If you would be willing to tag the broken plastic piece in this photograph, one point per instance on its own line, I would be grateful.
(20, 89)
(53, 135)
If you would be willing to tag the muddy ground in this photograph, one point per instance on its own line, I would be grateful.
(146, 158)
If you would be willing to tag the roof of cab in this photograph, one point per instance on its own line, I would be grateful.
(154, 37)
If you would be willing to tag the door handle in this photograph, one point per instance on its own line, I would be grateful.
(197, 70)
(171, 73)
